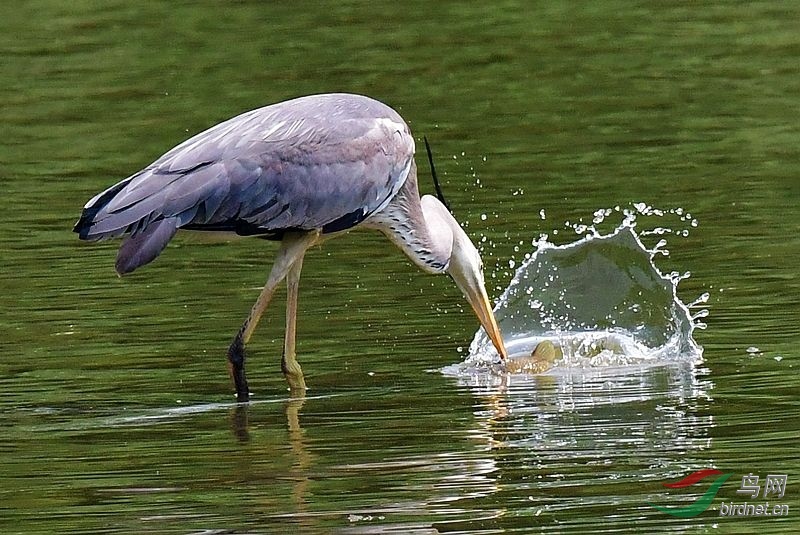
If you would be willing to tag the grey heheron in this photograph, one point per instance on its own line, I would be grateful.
(299, 171)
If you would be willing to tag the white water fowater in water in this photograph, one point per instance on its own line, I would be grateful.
(601, 300)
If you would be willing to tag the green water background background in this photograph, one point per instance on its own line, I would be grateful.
(562, 106)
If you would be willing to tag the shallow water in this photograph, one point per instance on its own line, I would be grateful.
(115, 403)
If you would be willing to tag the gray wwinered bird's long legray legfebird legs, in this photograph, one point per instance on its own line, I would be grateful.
(299, 171)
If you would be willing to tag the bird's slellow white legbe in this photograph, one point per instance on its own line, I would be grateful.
(300, 172)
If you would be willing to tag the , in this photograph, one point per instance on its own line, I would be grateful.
(301, 172)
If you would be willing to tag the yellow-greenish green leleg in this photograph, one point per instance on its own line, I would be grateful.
(293, 247)
(289, 365)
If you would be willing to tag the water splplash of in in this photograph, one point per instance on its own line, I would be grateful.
(601, 301)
